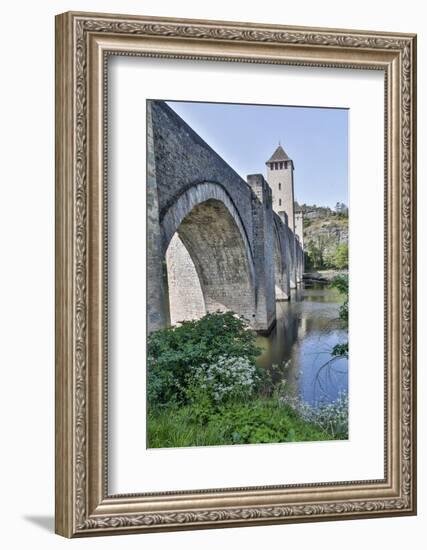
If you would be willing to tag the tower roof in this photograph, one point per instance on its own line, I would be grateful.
(278, 155)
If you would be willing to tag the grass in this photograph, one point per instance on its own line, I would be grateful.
(262, 420)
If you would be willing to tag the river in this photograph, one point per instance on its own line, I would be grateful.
(299, 347)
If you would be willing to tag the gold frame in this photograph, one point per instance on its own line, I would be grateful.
(83, 42)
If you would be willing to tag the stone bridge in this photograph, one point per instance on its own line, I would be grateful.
(213, 239)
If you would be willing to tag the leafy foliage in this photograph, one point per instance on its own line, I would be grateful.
(314, 256)
(255, 421)
(318, 257)
(341, 256)
(330, 417)
(340, 350)
(266, 421)
(325, 236)
(229, 379)
(340, 282)
(177, 354)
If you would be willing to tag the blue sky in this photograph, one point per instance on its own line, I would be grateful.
(316, 139)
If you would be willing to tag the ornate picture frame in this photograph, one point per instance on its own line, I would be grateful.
(84, 42)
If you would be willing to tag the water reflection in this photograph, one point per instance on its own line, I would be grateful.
(307, 329)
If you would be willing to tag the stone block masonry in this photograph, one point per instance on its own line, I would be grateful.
(222, 245)
(186, 300)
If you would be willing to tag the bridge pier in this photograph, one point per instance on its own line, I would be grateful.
(263, 251)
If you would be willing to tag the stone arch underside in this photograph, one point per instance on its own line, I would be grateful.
(209, 228)
(184, 293)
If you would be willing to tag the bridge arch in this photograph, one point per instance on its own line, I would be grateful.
(213, 248)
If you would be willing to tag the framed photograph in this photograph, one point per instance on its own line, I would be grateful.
(235, 274)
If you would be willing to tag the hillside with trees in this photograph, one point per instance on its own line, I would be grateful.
(325, 236)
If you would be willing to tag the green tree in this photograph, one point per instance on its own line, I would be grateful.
(329, 259)
(341, 256)
(314, 256)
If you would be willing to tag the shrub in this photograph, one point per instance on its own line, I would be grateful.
(228, 379)
(340, 282)
(330, 417)
(175, 354)
(265, 421)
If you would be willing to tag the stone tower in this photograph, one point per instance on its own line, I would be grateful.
(280, 177)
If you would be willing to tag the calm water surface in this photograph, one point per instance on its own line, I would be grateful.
(307, 329)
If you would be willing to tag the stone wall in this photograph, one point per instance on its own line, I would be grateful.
(240, 250)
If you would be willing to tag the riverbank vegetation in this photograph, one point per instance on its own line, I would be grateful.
(341, 284)
(325, 237)
(205, 388)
